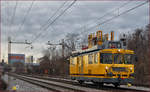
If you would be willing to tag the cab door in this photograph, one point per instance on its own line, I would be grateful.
(80, 64)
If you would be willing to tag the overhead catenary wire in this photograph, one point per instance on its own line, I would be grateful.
(7, 22)
(57, 18)
(37, 36)
(114, 9)
(107, 13)
(13, 16)
(121, 14)
(25, 16)
(8, 19)
(28, 11)
(54, 20)
(116, 16)
(50, 18)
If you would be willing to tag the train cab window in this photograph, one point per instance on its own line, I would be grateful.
(106, 58)
(128, 59)
(90, 58)
(118, 59)
(95, 58)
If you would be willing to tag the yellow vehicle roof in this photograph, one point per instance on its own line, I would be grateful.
(117, 51)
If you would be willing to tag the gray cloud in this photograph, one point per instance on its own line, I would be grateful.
(80, 14)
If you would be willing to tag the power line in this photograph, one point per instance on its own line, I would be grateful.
(107, 13)
(50, 18)
(115, 16)
(7, 22)
(121, 14)
(53, 14)
(114, 10)
(37, 36)
(57, 18)
(54, 20)
(118, 15)
(13, 16)
(25, 17)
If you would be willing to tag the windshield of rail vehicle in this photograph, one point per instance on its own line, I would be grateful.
(123, 58)
(128, 58)
(107, 58)
(118, 59)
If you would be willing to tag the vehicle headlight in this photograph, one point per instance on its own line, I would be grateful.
(106, 68)
(131, 69)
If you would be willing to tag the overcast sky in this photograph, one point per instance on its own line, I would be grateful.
(80, 17)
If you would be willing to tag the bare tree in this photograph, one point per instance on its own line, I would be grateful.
(139, 42)
(71, 40)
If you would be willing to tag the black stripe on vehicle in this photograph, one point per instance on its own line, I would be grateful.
(91, 74)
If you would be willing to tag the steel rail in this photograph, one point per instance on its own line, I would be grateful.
(104, 87)
(53, 85)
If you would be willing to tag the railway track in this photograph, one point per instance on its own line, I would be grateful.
(91, 85)
(69, 85)
(52, 85)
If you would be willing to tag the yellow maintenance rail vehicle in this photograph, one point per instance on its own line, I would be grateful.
(103, 61)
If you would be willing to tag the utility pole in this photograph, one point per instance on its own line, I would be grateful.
(63, 48)
(14, 42)
(9, 51)
(51, 49)
(62, 44)
(9, 48)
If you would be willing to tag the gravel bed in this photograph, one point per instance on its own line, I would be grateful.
(22, 85)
